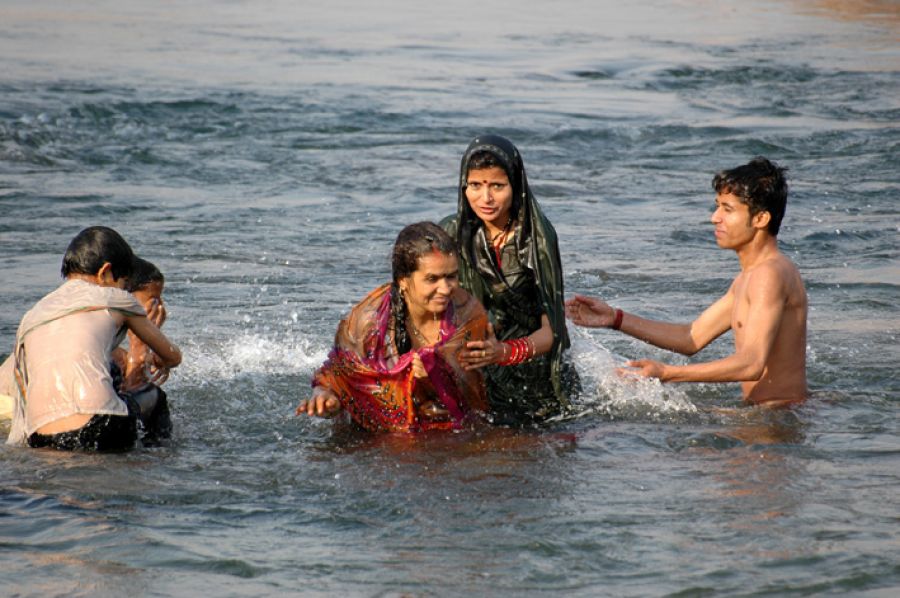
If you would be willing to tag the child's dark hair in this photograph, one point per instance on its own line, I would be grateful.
(414, 241)
(95, 246)
(761, 185)
(143, 274)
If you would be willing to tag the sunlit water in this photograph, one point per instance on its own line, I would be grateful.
(265, 155)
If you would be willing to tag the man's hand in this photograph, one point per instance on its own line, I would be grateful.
(321, 404)
(644, 368)
(591, 312)
(159, 371)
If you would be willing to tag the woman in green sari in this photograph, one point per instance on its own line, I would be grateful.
(509, 260)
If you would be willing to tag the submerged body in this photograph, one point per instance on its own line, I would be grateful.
(377, 385)
(509, 260)
(395, 365)
(64, 394)
(765, 306)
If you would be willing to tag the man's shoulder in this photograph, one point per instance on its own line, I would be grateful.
(779, 266)
(777, 275)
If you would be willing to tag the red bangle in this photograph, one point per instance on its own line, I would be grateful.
(617, 323)
(520, 349)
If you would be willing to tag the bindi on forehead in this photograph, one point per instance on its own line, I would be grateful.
(494, 173)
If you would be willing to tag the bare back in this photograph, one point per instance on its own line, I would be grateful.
(770, 309)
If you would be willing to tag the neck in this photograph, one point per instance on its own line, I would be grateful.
(494, 231)
(91, 278)
(420, 317)
(761, 248)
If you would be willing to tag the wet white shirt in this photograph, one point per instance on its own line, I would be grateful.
(64, 345)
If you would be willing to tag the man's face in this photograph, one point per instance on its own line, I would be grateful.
(733, 222)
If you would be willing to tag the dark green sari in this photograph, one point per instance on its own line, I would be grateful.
(527, 285)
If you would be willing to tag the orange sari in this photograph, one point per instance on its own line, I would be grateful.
(376, 386)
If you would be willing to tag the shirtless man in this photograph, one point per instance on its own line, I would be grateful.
(765, 306)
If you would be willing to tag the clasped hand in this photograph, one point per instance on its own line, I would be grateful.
(478, 354)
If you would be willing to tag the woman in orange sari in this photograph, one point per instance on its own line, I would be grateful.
(394, 366)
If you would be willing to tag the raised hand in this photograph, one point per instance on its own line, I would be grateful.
(591, 312)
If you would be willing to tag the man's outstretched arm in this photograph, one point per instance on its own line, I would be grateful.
(766, 296)
(686, 339)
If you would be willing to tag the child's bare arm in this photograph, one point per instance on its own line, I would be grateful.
(147, 331)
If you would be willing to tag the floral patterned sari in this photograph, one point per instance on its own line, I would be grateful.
(376, 385)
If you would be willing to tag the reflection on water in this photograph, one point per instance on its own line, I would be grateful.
(882, 12)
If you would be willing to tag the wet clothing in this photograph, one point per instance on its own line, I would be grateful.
(101, 433)
(62, 356)
(148, 412)
(517, 288)
(373, 378)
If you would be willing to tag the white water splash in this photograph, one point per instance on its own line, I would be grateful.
(605, 391)
(251, 354)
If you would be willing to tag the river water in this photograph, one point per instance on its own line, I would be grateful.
(265, 154)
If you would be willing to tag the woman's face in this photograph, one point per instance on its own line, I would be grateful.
(490, 195)
(428, 289)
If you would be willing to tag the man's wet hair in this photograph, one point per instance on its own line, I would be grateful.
(143, 274)
(95, 246)
(761, 185)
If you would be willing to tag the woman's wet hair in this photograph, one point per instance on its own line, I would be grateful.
(414, 242)
(143, 274)
(761, 185)
(482, 160)
(95, 246)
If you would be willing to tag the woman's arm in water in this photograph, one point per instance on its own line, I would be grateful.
(322, 403)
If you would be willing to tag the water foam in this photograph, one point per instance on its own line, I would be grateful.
(618, 396)
(250, 354)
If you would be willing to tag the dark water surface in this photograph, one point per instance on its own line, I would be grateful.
(265, 154)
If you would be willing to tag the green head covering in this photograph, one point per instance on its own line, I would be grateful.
(536, 243)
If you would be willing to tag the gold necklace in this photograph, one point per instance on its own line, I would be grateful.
(503, 232)
(418, 334)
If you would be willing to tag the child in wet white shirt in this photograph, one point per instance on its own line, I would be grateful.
(65, 396)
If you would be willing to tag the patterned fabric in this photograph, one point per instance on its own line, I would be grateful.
(376, 385)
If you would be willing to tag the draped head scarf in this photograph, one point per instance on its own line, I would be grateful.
(536, 243)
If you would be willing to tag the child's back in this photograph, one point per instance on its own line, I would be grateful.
(64, 395)
(68, 337)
